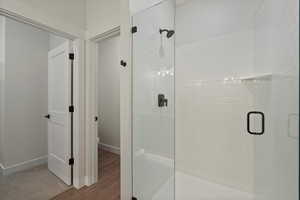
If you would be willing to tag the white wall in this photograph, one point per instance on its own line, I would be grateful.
(218, 41)
(214, 42)
(26, 60)
(65, 15)
(277, 51)
(109, 91)
(125, 104)
(102, 16)
(139, 5)
(55, 41)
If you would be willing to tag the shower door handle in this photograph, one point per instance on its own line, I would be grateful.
(262, 123)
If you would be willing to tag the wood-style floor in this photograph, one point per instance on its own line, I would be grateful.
(108, 186)
(37, 183)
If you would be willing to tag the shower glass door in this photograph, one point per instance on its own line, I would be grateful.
(237, 100)
(153, 103)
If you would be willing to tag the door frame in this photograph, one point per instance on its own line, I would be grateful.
(92, 106)
(125, 103)
(78, 96)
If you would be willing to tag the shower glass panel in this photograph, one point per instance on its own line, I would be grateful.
(153, 103)
(236, 100)
(237, 105)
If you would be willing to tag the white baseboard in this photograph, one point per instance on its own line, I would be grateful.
(155, 157)
(24, 165)
(160, 159)
(110, 148)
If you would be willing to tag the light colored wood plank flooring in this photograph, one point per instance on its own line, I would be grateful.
(108, 186)
(37, 183)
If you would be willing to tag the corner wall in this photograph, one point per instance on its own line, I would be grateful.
(102, 16)
(26, 92)
(55, 41)
(64, 15)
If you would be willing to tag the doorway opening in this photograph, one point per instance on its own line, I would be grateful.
(108, 118)
(35, 119)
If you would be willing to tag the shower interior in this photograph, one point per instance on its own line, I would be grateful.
(229, 126)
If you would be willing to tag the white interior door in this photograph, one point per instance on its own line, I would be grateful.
(59, 135)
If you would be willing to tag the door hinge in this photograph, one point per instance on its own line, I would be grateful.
(71, 109)
(71, 161)
(134, 29)
(71, 56)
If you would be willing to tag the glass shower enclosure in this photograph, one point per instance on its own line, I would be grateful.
(215, 99)
(153, 102)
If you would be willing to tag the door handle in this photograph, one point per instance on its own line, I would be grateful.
(262, 122)
(47, 116)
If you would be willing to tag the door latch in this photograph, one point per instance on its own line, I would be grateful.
(47, 116)
(162, 101)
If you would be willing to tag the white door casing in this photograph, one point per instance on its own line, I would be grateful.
(59, 98)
